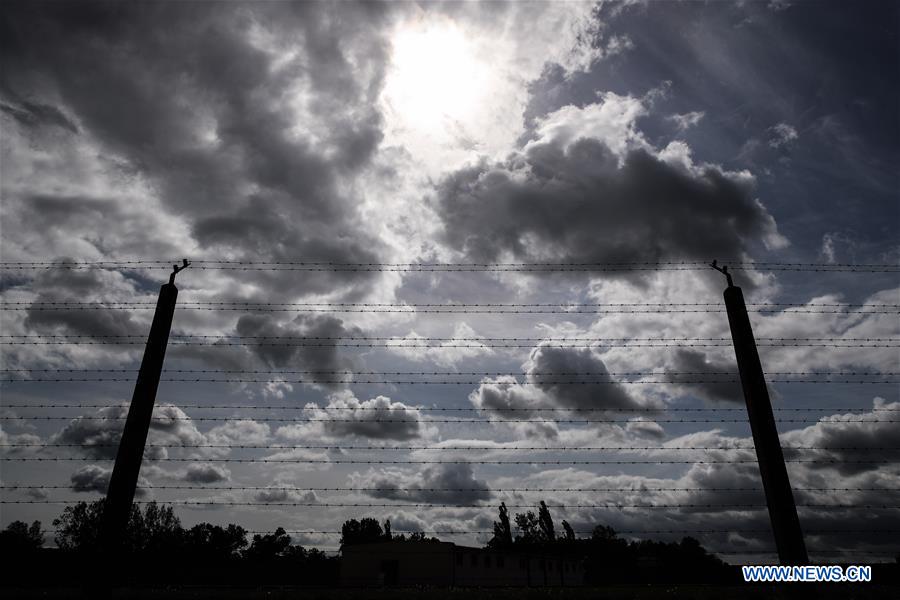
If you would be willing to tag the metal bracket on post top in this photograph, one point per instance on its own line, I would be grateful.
(176, 269)
(723, 271)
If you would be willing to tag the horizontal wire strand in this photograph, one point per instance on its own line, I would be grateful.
(447, 310)
(483, 506)
(442, 448)
(301, 343)
(455, 489)
(348, 381)
(462, 373)
(559, 305)
(437, 462)
(448, 339)
(473, 408)
(577, 531)
(411, 420)
(465, 373)
(456, 267)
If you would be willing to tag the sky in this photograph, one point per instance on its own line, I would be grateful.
(325, 165)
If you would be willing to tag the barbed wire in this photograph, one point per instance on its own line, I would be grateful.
(463, 373)
(558, 305)
(429, 267)
(459, 489)
(739, 506)
(436, 462)
(577, 531)
(468, 382)
(450, 339)
(551, 559)
(416, 309)
(410, 419)
(239, 446)
(299, 342)
(588, 409)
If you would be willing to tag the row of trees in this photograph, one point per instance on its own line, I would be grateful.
(368, 530)
(158, 549)
(534, 528)
(607, 557)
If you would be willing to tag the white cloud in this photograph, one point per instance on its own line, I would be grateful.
(782, 134)
(461, 346)
(685, 121)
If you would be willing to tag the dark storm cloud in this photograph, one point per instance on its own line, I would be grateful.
(547, 371)
(749, 69)
(246, 117)
(452, 484)
(642, 427)
(35, 114)
(280, 494)
(578, 204)
(72, 285)
(205, 473)
(97, 435)
(711, 372)
(312, 328)
(378, 418)
(550, 365)
(845, 442)
(91, 478)
(94, 478)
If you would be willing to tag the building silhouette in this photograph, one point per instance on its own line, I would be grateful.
(435, 563)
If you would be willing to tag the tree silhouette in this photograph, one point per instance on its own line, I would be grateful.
(545, 521)
(269, 546)
(570, 533)
(18, 537)
(214, 542)
(502, 531)
(602, 532)
(527, 524)
(364, 531)
(78, 527)
(156, 529)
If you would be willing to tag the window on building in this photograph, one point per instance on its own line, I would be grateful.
(500, 562)
(487, 560)
(474, 560)
(459, 558)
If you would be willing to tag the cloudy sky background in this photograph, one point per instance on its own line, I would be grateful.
(525, 133)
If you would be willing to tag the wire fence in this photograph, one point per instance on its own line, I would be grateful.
(826, 499)
(426, 267)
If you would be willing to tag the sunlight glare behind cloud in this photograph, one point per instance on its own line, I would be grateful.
(436, 82)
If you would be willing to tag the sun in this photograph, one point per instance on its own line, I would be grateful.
(436, 80)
